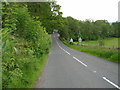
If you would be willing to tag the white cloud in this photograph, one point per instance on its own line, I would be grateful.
(90, 9)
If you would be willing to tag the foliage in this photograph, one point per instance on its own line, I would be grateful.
(88, 30)
(69, 28)
(25, 38)
(31, 31)
(116, 29)
(48, 13)
(24, 44)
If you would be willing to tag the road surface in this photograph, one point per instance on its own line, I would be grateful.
(69, 68)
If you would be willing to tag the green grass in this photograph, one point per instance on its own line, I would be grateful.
(105, 53)
(31, 71)
(109, 42)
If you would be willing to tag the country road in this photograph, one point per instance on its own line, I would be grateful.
(69, 68)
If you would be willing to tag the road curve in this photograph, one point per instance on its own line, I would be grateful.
(69, 68)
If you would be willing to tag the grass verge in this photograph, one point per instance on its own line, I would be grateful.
(31, 71)
(105, 53)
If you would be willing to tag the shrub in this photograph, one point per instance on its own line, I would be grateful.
(23, 41)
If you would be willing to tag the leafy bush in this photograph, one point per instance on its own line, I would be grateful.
(23, 41)
(32, 31)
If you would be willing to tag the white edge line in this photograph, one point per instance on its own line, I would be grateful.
(80, 61)
(111, 82)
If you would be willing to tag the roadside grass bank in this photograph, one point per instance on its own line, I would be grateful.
(30, 72)
(105, 53)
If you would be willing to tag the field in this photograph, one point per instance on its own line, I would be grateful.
(109, 42)
(110, 54)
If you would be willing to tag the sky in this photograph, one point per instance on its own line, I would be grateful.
(90, 9)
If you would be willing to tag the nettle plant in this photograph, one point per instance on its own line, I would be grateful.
(10, 69)
(22, 38)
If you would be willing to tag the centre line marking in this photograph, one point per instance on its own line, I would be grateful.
(93, 71)
(80, 61)
(73, 56)
(111, 82)
(68, 53)
(63, 49)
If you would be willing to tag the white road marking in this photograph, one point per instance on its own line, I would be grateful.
(57, 43)
(111, 82)
(86, 66)
(94, 71)
(63, 49)
(67, 52)
(80, 61)
(73, 56)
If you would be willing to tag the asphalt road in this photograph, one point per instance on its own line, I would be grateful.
(69, 68)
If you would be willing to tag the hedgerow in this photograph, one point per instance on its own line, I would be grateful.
(24, 43)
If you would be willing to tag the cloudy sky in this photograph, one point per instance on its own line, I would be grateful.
(90, 9)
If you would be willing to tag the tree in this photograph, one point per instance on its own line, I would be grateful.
(116, 27)
(48, 13)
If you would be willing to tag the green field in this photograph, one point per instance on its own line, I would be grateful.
(109, 42)
(110, 54)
